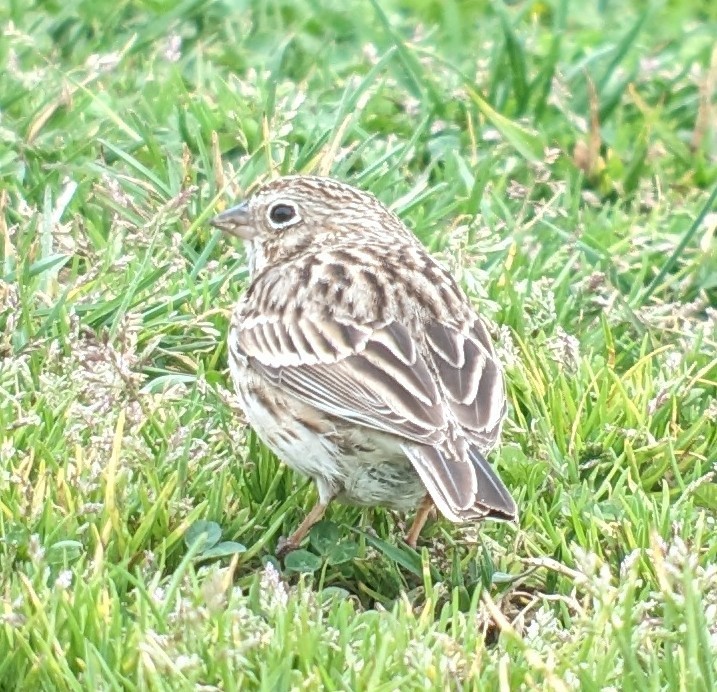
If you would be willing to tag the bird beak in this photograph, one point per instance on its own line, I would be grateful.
(236, 221)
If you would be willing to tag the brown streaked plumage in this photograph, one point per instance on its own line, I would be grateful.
(358, 359)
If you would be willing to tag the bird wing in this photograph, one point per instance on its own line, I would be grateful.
(471, 378)
(459, 479)
(374, 375)
(369, 374)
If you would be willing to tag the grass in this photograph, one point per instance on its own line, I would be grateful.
(563, 163)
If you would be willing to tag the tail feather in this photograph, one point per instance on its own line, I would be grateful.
(462, 490)
(492, 498)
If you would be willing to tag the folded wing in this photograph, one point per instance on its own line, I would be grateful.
(445, 406)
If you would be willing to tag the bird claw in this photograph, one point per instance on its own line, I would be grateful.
(284, 546)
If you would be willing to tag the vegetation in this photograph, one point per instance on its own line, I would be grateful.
(560, 157)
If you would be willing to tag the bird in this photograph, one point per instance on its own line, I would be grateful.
(359, 361)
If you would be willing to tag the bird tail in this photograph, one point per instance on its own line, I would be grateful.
(462, 490)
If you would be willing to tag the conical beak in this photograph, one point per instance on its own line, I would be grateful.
(236, 221)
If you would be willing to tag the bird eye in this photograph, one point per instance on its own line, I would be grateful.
(281, 214)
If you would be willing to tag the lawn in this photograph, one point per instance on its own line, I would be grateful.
(559, 157)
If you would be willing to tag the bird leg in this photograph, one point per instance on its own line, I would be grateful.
(286, 545)
(424, 509)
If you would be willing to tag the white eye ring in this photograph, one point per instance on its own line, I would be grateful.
(282, 214)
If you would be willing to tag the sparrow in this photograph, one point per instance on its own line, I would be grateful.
(359, 361)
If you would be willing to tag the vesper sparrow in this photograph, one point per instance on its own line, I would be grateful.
(359, 361)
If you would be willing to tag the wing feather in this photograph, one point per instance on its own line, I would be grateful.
(372, 376)
(445, 400)
(470, 379)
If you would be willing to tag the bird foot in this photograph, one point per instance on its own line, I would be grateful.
(425, 509)
(284, 546)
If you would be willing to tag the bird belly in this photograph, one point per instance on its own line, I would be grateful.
(375, 472)
(354, 464)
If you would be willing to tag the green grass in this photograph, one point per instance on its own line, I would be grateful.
(560, 158)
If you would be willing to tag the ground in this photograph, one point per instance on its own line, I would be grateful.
(560, 158)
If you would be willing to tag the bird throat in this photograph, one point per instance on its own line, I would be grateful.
(255, 257)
